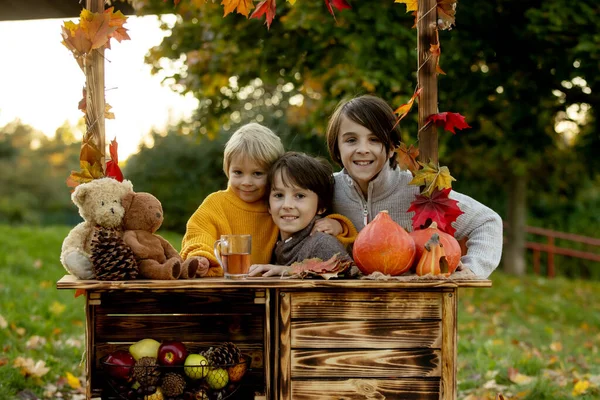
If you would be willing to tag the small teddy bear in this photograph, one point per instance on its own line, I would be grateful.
(99, 204)
(156, 257)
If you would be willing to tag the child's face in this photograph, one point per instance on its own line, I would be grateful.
(291, 207)
(362, 153)
(247, 179)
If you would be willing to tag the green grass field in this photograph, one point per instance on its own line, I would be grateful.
(527, 338)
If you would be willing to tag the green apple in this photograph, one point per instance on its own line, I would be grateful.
(196, 366)
(217, 378)
(144, 348)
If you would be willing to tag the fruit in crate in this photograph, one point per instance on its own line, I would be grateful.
(144, 348)
(173, 384)
(172, 352)
(146, 372)
(217, 378)
(236, 372)
(450, 244)
(119, 364)
(196, 366)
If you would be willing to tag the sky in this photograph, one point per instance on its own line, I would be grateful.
(41, 83)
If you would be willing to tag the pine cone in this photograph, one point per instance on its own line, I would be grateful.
(112, 259)
(224, 355)
(173, 384)
(146, 372)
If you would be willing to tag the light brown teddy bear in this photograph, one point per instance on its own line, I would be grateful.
(155, 256)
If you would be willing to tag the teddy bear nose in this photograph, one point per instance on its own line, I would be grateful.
(112, 210)
(158, 215)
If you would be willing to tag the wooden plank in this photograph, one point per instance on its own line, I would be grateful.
(449, 343)
(71, 282)
(367, 305)
(189, 302)
(190, 328)
(267, 343)
(361, 389)
(285, 365)
(375, 334)
(365, 363)
(90, 323)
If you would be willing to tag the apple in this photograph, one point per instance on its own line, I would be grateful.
(196, 366)
(119, 364)
(217, 378)
(144, 348)
(172, 352)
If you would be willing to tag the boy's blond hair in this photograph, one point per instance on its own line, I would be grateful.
(255, 141)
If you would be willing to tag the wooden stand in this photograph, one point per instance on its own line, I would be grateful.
(329, 340)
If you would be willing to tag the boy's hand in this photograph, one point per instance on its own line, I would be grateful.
(268, 270)
(203, 266)
(327, 225)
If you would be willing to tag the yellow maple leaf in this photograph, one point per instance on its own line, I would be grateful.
(432, 176)
(96, 27)
(241, 6)
(107, 113)
(411, 5)
(581, 387)
(73, 381)
(292, 2)
(57, 308)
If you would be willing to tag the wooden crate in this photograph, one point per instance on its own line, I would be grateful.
(350, 339)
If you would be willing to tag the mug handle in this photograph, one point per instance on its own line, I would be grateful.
(217, 251)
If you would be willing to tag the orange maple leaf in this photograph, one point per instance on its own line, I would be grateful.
(112, 166)
(97, 27)
(446, 11)
(75, 39)
(407, 157)
(449, 121)
(267, 8)
(241, 6)
(405, 108)
(436, 51)
(117, 19)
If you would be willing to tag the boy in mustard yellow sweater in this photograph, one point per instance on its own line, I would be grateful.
(242, 208)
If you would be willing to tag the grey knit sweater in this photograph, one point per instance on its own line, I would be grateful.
(390, 191)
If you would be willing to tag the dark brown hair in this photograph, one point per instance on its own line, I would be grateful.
(371, 112)
(306, 172)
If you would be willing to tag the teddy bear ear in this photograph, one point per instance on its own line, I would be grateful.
(127, 200)
(79, 194)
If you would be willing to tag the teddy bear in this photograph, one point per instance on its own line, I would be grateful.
(99, 204)
(156, 257)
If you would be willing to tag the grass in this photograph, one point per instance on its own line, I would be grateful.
(526, 338)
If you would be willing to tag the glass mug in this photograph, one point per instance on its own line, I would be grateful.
(233, 253)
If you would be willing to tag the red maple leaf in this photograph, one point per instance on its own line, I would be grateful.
(112, 166)
(338, 4)
(265, 7)
(449, 121)
(438, 208)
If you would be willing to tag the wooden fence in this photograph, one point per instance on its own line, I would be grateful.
(551, 249)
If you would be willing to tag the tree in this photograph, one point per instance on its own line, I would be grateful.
(513, 68)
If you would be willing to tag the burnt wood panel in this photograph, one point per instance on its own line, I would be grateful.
(449, 340)
(363, 305)
(167, 302)
(365, 363)
(361, 389)
(375, 334)
(189, 328)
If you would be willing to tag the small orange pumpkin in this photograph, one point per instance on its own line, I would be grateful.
(451, 245)
(433, 260)
(383, 246)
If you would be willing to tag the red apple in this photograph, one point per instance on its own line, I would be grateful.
(172, 352)
(119, 364)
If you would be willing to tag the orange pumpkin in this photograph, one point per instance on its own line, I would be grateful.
(433, 260)
(451, 245)
(383, 246)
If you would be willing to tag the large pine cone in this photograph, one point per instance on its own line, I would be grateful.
(173, 384)
(226, 354)
(146, 372)
(112, 259)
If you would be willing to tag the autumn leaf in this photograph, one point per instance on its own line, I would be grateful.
(117, 19)
(315, 266)
(97, 27)
(267, 8)
(87, 173)
(438, 208)
(515, 376)
(407, 157)
(405, 108)
(73, 381)
(241, 6)
(30, 368)
(337, 4)
(446, 11)
(581, 387)
(432, 176)
(436, 51)
(292, 2)
(411, 5)
(112, 165)
(449, 121)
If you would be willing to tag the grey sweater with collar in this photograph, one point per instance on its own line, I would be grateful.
(390, 191)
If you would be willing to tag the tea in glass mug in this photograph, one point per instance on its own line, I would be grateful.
(233, 253)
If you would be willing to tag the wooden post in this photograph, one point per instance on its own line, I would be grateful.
(94, 82)
(551, 272)
(427, 80)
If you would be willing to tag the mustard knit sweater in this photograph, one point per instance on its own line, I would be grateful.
(224, 213)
